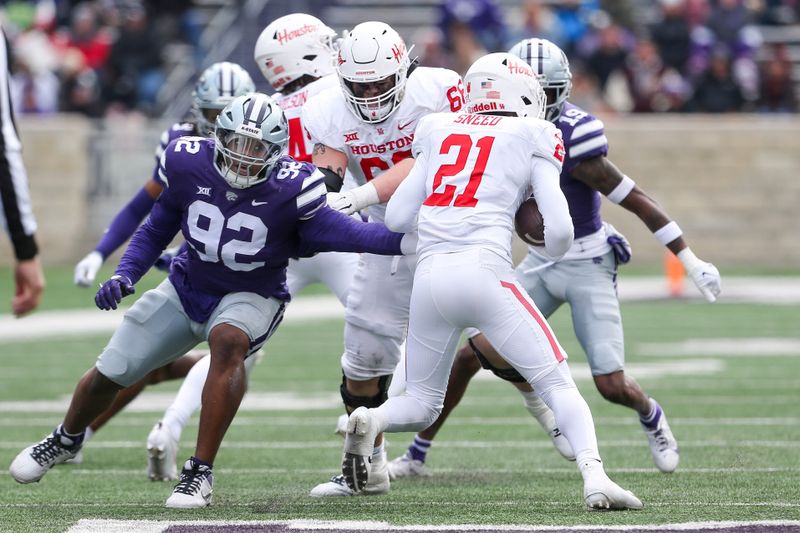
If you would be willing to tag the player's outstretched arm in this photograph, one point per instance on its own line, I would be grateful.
(120, 230)
(602, 175)
(333, 231)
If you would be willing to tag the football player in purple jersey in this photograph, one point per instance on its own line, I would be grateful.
(585, 277)
(217, 86)
(244, 209)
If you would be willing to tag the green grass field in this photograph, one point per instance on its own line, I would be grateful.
(734, 411)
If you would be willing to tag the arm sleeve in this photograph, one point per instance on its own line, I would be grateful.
(332, 231)
(125, 223)
(403, 207)
(558, 229)
(150, 239)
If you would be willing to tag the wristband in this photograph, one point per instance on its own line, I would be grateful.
(364, 196)
(668, 233)
(622, 190)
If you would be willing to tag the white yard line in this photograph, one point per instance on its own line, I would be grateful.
(43, 324)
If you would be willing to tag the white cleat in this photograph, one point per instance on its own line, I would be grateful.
(405, 466)
(194, 490)
(358, 445)
(602, 494)
(32, 463)
(663, 445)
(337, 486)
(162, 449)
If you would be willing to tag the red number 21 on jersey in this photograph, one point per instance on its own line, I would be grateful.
(448, 193)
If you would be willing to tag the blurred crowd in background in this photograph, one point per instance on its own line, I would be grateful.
(102, 57)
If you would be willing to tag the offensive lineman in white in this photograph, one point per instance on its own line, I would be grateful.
(295, 54)
(367, 126)
(471, 174)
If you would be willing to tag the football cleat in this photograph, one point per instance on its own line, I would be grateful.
(32, 463)
(663, 445)
(358, 445)
(194, 490)
(405, 466)
(378, 482)
(602, 494)
(162, 449)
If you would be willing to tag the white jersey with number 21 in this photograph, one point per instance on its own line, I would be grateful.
(477, 170)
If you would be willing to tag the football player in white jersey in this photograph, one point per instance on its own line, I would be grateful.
(472, 172)
(217, 86)
(366, 126)
(295, 53)
(589, 270)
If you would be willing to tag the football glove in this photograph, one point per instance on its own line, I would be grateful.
(86, 270)
(349, 202)
(113, 291)
(619, 244)
(705, 275)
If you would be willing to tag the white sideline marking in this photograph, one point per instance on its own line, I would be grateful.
(94, 321)
(42, 324)
(151, 526)
(746, 347)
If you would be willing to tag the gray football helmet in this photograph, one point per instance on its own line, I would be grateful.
(251, 134)
(217, 87)
(550, 63)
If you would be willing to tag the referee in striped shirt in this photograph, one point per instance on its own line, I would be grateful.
(15, 208)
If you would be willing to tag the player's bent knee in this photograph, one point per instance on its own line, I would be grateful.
(353, 401)
(466, 362)
(611, 386)
(100, 383)
(228, 341)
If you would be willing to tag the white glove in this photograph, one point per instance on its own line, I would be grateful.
(86, 270)
(705, 275)
(349, 202)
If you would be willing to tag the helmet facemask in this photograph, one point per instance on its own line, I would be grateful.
(551, 66)
(251, 136)
(372, 66)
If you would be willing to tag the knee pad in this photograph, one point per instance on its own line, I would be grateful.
(353, 402)
(509, 374)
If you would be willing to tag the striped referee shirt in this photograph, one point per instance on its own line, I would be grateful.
(15, 208)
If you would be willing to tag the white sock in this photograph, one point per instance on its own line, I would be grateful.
(188, 399)
(88, 434)
(574, 420)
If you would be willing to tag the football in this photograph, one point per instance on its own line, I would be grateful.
(529, 224)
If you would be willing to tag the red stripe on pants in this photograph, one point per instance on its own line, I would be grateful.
(536, 316)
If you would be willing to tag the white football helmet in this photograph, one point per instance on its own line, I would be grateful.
(217, 87)
(372, 66)
(294, 46)
(551, 65)
(251, 134)
(501, 82)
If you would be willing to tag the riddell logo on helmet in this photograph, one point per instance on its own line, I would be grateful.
(481, 107)
(286, 36)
